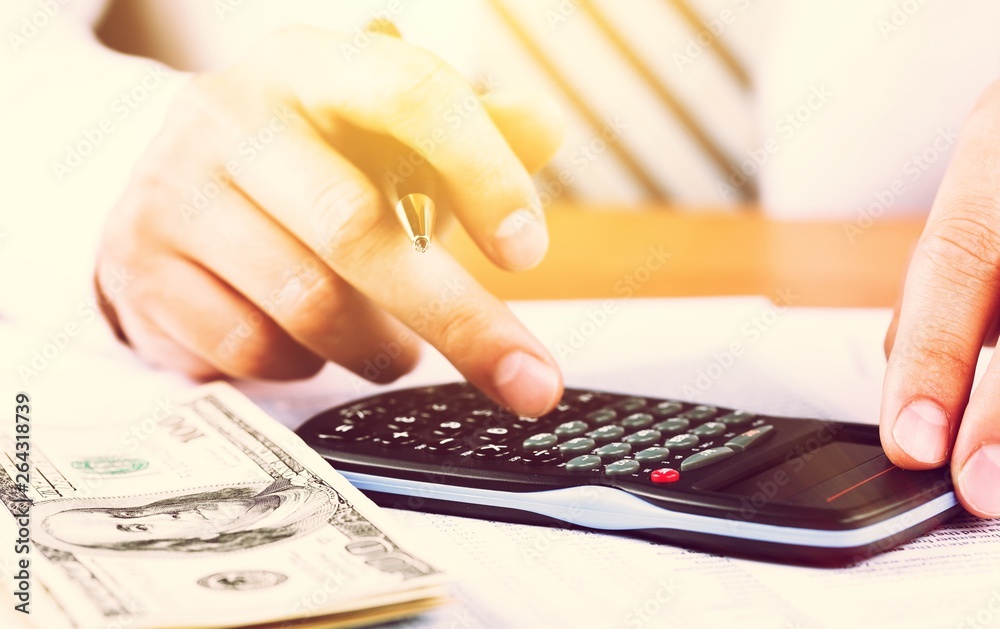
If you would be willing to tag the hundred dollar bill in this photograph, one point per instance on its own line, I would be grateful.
(213, 515)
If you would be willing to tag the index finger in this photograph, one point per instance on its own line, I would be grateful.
(949, 300)
(403, 91)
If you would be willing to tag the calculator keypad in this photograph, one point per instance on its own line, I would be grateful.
(589, 433)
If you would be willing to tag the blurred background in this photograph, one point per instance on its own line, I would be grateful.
(764, 144)
(808, 109)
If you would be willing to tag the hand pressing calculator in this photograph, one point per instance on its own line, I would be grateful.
(704, 477)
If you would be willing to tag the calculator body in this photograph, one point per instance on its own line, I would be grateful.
(784, 489)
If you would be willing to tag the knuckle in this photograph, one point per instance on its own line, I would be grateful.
(347, 215)
(124, 240)
(423, 79)
(131, 278)
(251, 354)
(153, 188)
(483, 175)
(937, 355)
(312, 304)
(965, 246)
(150, 180)
(151, 209)
(267, 352)
(462, 328)
(425, 73)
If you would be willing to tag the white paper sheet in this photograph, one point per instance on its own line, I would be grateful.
(823, 363)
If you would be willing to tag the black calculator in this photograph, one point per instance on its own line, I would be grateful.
(704, 477)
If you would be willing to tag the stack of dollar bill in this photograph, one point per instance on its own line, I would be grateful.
(212, 515)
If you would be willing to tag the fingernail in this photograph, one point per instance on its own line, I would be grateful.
(978, 481)
(526, 385)
(522, 239)
(921, 430)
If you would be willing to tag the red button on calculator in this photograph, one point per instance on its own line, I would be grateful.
(664, 475)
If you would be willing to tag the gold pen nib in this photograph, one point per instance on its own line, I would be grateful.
(416, 213)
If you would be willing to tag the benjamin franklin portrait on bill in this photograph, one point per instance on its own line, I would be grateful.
(220, 520)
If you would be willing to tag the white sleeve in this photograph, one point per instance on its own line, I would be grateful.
(76, 116)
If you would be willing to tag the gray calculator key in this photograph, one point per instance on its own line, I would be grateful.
(618, 468)
(630, 404)
(665, 409)
(702, 411)
(706, 457)
(540, 441)
(652, 455)
(580, 445)
(710, 429)
(583, 463)
(612, 451)
(571, 429)
(682, 442)
(606, 433)
(643, 438)
(750, 438)
(637, 420)
(601, 416)
(673, 426)
(737, 418)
